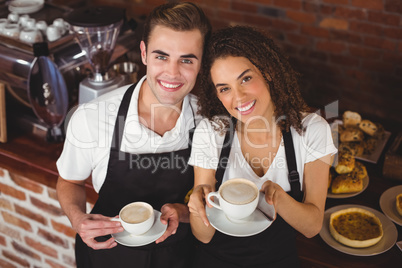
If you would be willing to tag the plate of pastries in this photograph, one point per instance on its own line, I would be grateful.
(358, 230)
(348, 177)
(364, 139)
(391, 204)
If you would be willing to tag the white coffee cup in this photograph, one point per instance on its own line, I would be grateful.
(136, 218)
(30, 23)
(41, 25)
(238, 199)
(13, 17)
(61, 25)
(12, 31)
(30, 35)
(52, 33)
(22, 21)
(3, 23)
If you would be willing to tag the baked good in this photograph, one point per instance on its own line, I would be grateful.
(354, 148)
(359, 172)
(369, 145)
(332, 175)
(399, 203)
(346, 163)
(352, 134)
(368, 127)
(355, 227)
(345, 184)
(351, 119)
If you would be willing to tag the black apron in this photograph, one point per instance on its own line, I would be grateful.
(127, 181)
(274, 247)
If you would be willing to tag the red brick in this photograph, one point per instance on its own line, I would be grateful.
(6, 264)
(327, 10)
(52, 193)
(15, 221)
(349, 13)
(52, 238)
(395, 33)
(23, 250)
(380, 43)
(292, 4)
(377, 66)
(9, 232)
(284, 25)
(346, 37)
(380, 17)
(314, 31)
(311, 7)
(344, 60)
(393, 6)
(30, 214)
(313, 54)
(257, 20)
(301, 16)
(53, 264)
(2, 172)
(366, 28)
(5, 204)
(359, 75)
(69, 260)
(27, 184)
(369, 4)
(2, 240)
(264, 2)
(41, 247)
(8, 190)
(330, 46)
(61, 228)
(14, 258)
(230, 15)
(400, 47)
(337, 2)
(299, 39)
(221, 4)
(244, 7)
(363, 52)
(56, 211)
(332, 23)
(394, 57)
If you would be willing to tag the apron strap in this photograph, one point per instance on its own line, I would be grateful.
(224, 157)
(294, 178)
(121, 118)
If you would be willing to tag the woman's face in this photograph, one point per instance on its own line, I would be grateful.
(242, 89)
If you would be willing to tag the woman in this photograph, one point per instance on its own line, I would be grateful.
(246, 77)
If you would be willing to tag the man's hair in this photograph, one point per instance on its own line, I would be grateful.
(256, 46)
(179, 17)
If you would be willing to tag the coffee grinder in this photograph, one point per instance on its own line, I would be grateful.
(97, 29)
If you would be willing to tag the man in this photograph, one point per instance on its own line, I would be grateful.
(133, 144)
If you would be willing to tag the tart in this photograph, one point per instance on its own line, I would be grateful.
(355, 227)
(399, 203)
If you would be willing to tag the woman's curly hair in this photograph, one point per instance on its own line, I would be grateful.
(262, 52)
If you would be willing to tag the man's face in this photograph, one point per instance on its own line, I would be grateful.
(173, 60)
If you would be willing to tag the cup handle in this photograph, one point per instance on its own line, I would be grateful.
(212, 202)
(116, 219)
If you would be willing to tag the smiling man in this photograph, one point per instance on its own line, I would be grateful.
(132, 143)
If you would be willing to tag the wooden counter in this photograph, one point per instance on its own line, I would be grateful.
(33, 158)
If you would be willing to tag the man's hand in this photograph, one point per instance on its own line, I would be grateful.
(89, 226)
(172, 214)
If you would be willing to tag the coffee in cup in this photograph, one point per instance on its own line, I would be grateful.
(238, 198)
(137, 218)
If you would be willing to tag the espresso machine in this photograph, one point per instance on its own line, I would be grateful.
(97, 29)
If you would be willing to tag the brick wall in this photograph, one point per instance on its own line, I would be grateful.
(34, 232)
(346, 50)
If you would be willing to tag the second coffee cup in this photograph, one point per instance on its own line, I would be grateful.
(238, 199)
(136, 218)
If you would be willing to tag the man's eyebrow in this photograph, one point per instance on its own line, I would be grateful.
(240, 76)
(191, 56)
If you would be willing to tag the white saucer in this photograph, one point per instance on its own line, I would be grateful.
(258, 222)
(388, 204)
(124, 238)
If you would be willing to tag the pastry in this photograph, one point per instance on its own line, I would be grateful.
(346, 163)
(354, 148)
(355, 227)
(359, 172)
(369, 145)
(351, 119)
(368, 127)
(345, 184)
(399, 203)
(351, 134)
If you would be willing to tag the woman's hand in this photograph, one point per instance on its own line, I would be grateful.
(272, 191)
(197, 202)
